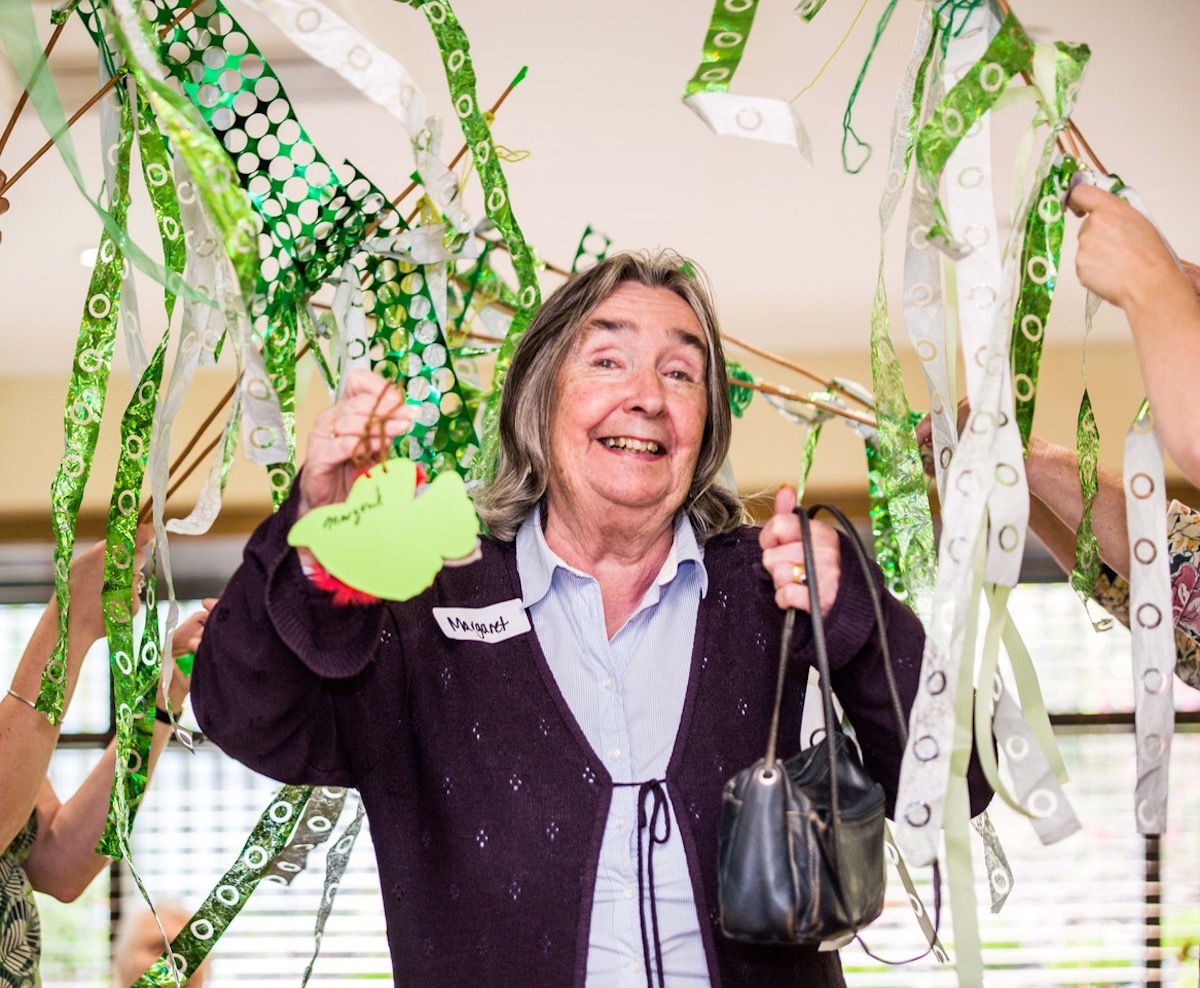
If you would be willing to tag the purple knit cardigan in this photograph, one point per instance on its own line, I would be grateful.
(486, 803)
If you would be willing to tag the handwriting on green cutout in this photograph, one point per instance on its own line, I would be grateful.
(386, 541)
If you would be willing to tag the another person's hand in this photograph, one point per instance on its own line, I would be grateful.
(186, 639)
(336, 447)
(188, 634)
(1121, 256)
(783, 556)
(925, 435)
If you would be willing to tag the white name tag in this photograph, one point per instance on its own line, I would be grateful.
(493, 623)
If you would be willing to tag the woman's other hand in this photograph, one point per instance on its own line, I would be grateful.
(337, 448)
(783, 556)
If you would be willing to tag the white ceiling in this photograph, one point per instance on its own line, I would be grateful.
(791, 248)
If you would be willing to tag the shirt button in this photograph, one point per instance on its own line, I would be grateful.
(608, 683)
(615, 753)
(635, 966)
(629, 891)
(620, 823)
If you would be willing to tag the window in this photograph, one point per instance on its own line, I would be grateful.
(1081, 912)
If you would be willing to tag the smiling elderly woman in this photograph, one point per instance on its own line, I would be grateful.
(520, 784)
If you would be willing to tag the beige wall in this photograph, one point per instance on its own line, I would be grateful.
(766, 446)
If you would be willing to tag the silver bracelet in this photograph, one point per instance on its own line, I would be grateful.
(17, 696)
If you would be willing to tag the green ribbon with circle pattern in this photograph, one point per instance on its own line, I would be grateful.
(266, 841)
(308, 221)
(136, 670)
(1009, 53)
(460, 75)
(409, 347)
(724, 45)
(1087, 550)
(1040, 255)
(86, 394)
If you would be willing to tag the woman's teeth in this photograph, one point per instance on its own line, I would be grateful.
(636, 445)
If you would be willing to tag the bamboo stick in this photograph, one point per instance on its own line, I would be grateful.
(92, 101)
(12, 120)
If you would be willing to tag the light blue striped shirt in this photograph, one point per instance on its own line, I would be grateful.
(627, 695)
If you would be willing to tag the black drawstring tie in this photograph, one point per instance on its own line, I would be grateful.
(657, 818)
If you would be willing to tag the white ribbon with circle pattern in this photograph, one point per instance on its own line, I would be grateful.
(972, 477)
(352, 340)
(1150, 620)
(758, 118)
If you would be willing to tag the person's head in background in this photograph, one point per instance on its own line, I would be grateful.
(139, 943)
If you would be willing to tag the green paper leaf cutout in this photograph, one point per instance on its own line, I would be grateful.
(386, 541)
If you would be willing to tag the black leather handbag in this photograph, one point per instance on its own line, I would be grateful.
(801, 842)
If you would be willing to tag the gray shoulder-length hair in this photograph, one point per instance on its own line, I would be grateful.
(530, 393)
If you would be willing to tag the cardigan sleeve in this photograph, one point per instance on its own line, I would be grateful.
(860, 679)
(277, 660)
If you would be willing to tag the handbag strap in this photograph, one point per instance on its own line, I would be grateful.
(818, 630)
(822, 663)
(860, 552)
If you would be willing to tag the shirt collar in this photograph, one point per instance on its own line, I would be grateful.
(537, 562)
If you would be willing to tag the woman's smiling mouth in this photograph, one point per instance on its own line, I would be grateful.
(633, 445)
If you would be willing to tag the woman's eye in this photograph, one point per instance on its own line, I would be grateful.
(605, 362)
(679, 375)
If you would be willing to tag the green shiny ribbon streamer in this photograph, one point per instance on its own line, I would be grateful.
(806, 10)
(739, 398)
(321, 814)
(812, 436)
(279, 360)
(194, 942)
(156, 170)
(848, 132)
(902, 483)
(1009, 53)
(313, 338)
(1087, 551)
(86, 394)
(724, 45)
(410, 348)
(883, 529)
(591, 254)
(460, 75)
(1040, 255)
(312, 221)
(335, 867)
(135, 686)
(135, 670)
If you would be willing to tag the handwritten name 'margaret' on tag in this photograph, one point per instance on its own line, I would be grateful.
(352, 513)
(494, 623)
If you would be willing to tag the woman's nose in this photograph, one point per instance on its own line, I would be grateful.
(646, 392)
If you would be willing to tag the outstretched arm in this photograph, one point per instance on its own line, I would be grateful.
(63, 860)
(1122, 258)
(277, 653)
(27, 738)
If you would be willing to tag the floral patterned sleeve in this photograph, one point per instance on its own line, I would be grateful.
(1183, 548)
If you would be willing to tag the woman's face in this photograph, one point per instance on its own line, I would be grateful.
(631, 406)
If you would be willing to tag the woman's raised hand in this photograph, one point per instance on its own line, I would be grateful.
(356, 432)
(783, 556)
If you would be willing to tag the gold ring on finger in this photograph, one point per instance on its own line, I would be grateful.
(799, 575)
